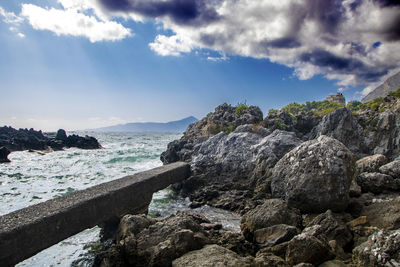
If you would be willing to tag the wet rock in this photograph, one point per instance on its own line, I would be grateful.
(305, 248)
(381, 249)
(342, 126)
(87, 142)
(61, 135)
(332, 227)
(271, 236)
(212, 255)
(377, 182)
(370, 163)
(272, 212)
(392, 169)
(315, 176)
(384, 215)
(4, 152)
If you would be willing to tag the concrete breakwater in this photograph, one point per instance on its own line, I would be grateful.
(25, 232)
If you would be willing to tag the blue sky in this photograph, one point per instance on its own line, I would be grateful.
(127, 61)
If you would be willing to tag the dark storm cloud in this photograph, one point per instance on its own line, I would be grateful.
(287, 42)
(343, 65)
(190, 12)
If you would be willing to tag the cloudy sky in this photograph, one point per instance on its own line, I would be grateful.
(80, 64)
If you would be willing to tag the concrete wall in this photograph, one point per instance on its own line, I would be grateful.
(26, 232)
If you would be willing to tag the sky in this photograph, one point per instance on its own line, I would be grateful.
(80, 64)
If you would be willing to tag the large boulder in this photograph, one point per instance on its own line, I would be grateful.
(212, 255)
(143, 241)
(342, 126)
(223, 170)
(381, 249)
(270, 213)
(4, 152)
(315, 176)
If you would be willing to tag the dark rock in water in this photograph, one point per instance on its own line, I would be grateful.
(370, 163)
(377, 182)
(61, 135)
(272, 212)
(315, 176)
(212, 255)
(381, 249)
(4, 154)
(342, 126)
(24, 139)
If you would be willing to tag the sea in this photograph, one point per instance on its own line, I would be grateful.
(34, 177)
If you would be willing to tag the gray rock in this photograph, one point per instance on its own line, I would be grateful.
(342, 126)
(305, 248)
(392, 168)
(274, 235)
(370, 163)
(381, 249)
(212, 255)
(377, 183)
(391, 84)
(383, 215)
(272, 212)
(4, 152)
(333, 228)
(315, 176)
(265, 259)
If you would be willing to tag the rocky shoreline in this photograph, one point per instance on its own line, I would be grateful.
(317, 184)
(23, 139)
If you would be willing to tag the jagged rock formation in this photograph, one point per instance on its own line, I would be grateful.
(391, 84)
(4, 152)
(24, 139)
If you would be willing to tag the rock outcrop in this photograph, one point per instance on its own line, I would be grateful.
(315, 176)
(24, 139)
(225, 118)
(4, 152)
(391, 84)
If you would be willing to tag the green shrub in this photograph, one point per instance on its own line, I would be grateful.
(230, 129)
(354, 105)
(240, 109)
(319, 108)
(395, 93)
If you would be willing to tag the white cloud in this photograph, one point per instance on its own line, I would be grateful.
(10, 17)
(72, 22)
(21, 35)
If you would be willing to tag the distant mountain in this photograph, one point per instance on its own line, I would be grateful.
(391, 84)
(167, 127)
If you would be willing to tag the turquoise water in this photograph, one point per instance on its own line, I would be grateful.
(31, 178)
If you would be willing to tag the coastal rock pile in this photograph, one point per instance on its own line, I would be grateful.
(317, 184)
(24, 139)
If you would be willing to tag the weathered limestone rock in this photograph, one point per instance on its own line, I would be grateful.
(334, 263)
(305, 248)
(377, 182)
(315, 176)
(273, 235)
(381, 249)
(212, 255)
(370, 163)
(4, 152)
(342, 126)
(272, 212)
(392, 168)
(265, 259)
(150, 242)
(384, 215)
(333, 228)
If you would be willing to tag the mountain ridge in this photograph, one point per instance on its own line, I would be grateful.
(391, 84)
(171, 126)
